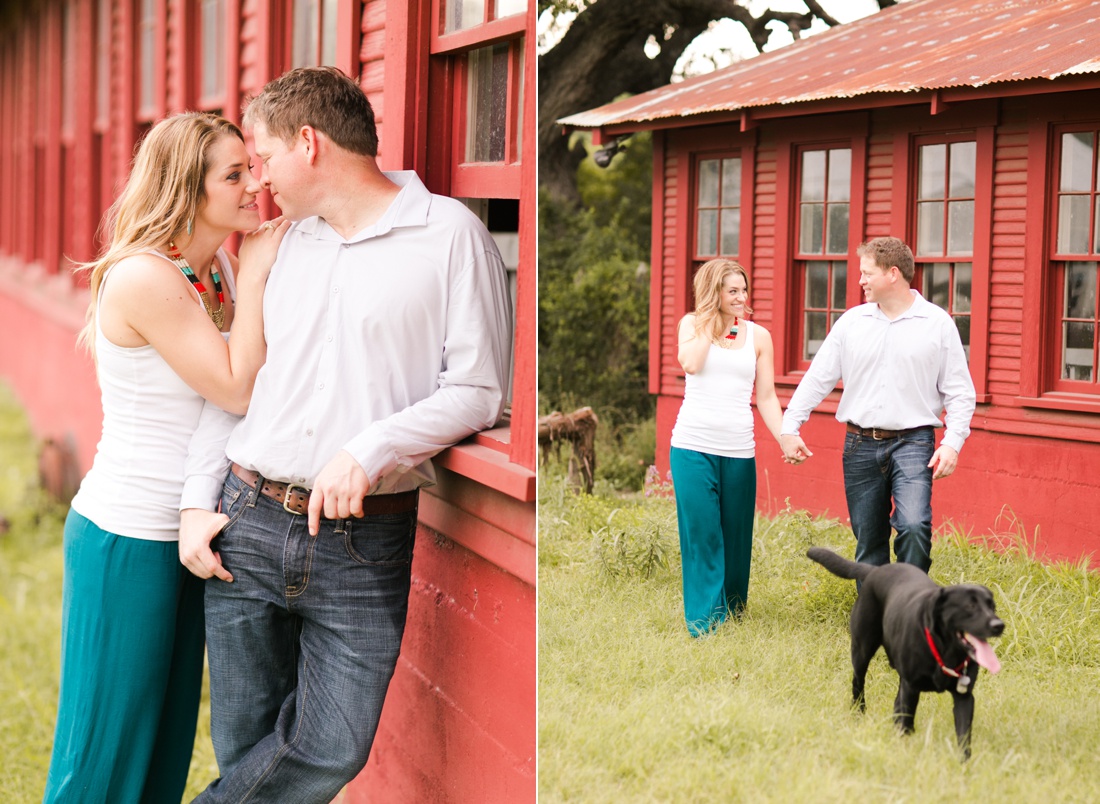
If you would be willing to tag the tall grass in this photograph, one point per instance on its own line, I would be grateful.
(632, 709)
(30, 623)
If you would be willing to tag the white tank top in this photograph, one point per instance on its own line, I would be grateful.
(149, 414)
(716, 415)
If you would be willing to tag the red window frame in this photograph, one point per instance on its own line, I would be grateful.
(722, 203)
(930, 267)
(1083, 263)
(450, 51)
(805, 261)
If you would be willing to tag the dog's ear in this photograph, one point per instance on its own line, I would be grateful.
(937, 605)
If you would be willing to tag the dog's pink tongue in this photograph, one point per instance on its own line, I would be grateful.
(983, 653)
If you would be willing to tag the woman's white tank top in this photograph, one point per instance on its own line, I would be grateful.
(716, 415)
(149, 414)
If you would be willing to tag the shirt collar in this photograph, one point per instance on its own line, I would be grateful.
(408, 209)
(920, 308)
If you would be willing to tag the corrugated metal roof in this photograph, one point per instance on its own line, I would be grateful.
(923, 44)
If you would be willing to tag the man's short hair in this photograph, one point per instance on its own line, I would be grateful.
(889, 252)
(321, 97)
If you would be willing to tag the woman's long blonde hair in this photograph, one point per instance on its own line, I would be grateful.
(161, 198)
(708, 292)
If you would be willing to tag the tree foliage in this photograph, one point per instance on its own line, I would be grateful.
(594, 290)
(603, 55)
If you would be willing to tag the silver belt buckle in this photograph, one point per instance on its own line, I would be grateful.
(286, 498)
(875, 434)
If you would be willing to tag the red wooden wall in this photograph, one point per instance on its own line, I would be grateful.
(459, 724)
(1031, 468)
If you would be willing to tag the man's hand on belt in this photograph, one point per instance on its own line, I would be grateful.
(338, 491)
(198, 528)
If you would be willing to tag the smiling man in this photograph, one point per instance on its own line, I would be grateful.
(902, 363)
(387, 320)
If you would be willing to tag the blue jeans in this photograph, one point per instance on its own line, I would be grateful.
(875, 472)
(302, 645)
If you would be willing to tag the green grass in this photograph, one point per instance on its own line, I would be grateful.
(30, 623)
(632, 709)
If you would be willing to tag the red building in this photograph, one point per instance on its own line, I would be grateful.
(452, 85)
(970, 130)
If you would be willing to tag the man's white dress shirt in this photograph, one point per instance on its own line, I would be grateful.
(897, 374)
(393, 345)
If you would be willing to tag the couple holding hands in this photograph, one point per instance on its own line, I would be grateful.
(902, 363)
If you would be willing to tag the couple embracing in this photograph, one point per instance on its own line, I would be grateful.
(267, 425)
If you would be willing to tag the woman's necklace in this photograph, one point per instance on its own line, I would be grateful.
(733, 330)
(218, 315)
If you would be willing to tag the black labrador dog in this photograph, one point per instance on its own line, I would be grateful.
(935, 636)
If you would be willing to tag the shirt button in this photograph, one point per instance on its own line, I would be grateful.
(347, 245)
(329, 339)
(309, 432)
(320, 386)
(336, 290)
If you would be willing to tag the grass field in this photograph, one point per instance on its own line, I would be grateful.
(632, 709)
(30, 623)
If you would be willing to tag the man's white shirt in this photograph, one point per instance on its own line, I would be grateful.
(393, 345)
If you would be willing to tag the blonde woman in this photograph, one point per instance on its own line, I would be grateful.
(713, 450)
(163, 297)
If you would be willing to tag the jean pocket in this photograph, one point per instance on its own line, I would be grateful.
(851, 441)
(382, 539)
(234, 501)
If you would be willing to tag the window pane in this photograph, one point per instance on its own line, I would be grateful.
(731, 183)
(932, 168)
(960, 227)
(815, 334)
(304, 45)
(103, 62)
(937, 284)
(812, 226)
(708, 183)
(328, 32)
(930, 228)
(1073, 224)
(1080, 290)
(962, 169)
(840, 174)
(506, 8)
(518, 113)
(817, 285)
(707, 234)
(731, 232)
(813, 176)
(487, 103)
(1076, 162)
(213, 49)
(840, 286)
(462, 14)
(1077, 351)
(963, 274)
(148, 52)
(838, 229)
(962, 322)
(1096, 228)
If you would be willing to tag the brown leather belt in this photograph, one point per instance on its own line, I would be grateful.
(295, 498)
(878, 434)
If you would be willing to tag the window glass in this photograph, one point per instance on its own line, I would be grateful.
(147, 37)
(945, 199)
(103, 63)
(462, 14)
(718, 207)
(506, 8)
(487, 103)
(212, 22)
(824, 195)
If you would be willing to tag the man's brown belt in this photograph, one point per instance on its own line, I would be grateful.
(295, 498)
(879, 434)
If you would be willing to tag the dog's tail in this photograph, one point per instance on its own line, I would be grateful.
(838, 565)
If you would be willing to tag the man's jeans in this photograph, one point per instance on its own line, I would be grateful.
(875, 471)
(302, 645)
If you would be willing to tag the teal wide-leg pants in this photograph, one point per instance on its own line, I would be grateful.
(131, 670)
(715, 505)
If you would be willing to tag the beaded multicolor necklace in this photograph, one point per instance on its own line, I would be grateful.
(218, 315)
(733, 330)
